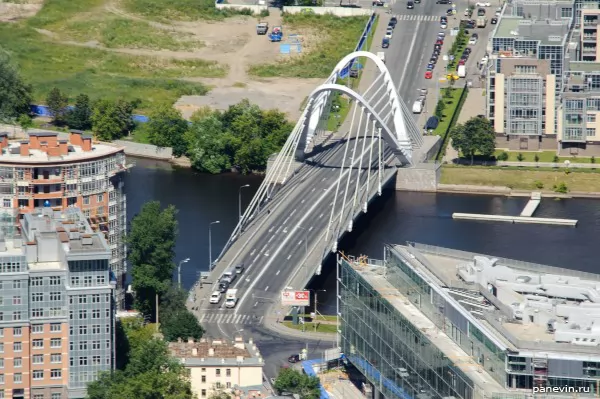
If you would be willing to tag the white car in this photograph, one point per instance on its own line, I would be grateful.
(473, 41)
(215, 297)
(389, 33)
(483, 4)
(441, 34)
(443, 25)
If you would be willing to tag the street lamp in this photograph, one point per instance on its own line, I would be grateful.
(316, 298)
(186, 260)
(305, 249)
(210, 244)
(240, 199)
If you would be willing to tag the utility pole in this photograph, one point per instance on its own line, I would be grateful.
(240, 200)
(156, 311)
(186, 260)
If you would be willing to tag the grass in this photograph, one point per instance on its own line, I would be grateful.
(180, 10)
(337, 118)
(544, 156)
(56, 11)
(99, 73)
(310, 327)
(114, 32)
(339, 38)
(522, 178)
(449, 117)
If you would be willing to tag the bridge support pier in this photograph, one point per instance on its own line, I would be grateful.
(300, 155)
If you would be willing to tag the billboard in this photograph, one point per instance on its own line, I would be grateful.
(295, 298)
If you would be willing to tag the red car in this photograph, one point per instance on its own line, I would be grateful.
(440, 42)
(428, 75)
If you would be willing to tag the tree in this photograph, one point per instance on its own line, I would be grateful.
(536, 158)
(503, 156)
(220, 395)
(439, 109)
(151, 250)
(295, 382)
(15, 95)
(177, 321)
(80, 117)
(207, 145)
(151, 373)
(476, 136)
(112, 120)
(167, 128)
(57, 103)
(520, 157)
(25, 122)
(555, 159)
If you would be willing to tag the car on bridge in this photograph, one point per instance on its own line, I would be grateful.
(223, 286)
(239, 268)
(215, 297)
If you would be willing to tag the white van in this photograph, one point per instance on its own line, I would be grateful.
(462, 71)
(229, 275)
(381, 56)
(417, 107)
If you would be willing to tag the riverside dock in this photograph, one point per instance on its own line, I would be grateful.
(526, 216)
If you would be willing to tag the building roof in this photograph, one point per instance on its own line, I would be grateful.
(545, 32)
(533, 307)
(215, 352)
(584, 66)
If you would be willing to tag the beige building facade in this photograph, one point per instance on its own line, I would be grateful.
(221, 365)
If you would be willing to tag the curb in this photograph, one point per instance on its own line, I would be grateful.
(276, 327)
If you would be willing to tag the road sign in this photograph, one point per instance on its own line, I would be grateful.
(295, 298)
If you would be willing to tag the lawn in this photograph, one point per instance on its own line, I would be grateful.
(337, 118)
(179, 10)
(521, 179)
(322, 328)
(338, 38)
(544, 156)
(99, 73)
(453, 105)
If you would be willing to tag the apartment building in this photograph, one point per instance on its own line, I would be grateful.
(221, 365)
(525, 78)
(56, 307)
(433, 323)
(64, 171)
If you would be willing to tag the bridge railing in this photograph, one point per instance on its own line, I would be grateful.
(362, 42)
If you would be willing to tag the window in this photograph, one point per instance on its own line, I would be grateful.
(7, 203)
(55, 374)
(56, 358)
(17, 284)
(218, 384)
(83, 346)
(38, 375)
(36, 281)
(590, 132)
(38, 343)
(82, 330)
(227, 372)
(1, 347)
(17, 331)
(55, 395)
(55, 343)
(203, 393)
(83, 361)
(591, 118)
(203, 378)
(87, 281)
(38, 395)
(96, 314)
(95, 359)
(218, 372)
(55, 327)
(38, 359)
(100, 280)
(55, 280)
(37, 297)
(17, 378)
(1, 332)
(96, 345)
(1, 379)
(1, 316)
(228, 385)
(55, 296)
(96, 329)
(1, 363)
(16, 316)
(82, 299)
(75, 281)
(17, 346)
(82, 314)
(100, 198)
(86, 200)
(96, 298)
(17, 362)
(37, 312)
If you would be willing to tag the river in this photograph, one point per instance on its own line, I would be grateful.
(396, 217)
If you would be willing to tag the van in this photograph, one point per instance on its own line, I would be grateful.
(462, 71)
(418, 106)
(381, 56)
(229, 275)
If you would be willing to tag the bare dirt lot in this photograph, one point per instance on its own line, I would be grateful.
(232, 43)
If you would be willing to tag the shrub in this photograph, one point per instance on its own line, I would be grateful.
(520, 157)
(503, 156)
(536, 158)
(538, 184)
(556, 159)
(593, 159)
(561, 188)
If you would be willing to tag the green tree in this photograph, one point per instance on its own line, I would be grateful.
(295, 382)
(207, 145)
(220, 395)
(475, 136)
(176, 320)
(593, 159)
(80, 117)
(520, 157)
(151, 243)
(112, 120)
(439, 109)
(536, 158)
(25, 122)
(57, 103)
(561, 188)
(15, 94)
(503, 156)
(555, 159)
(151, 373)
(167, 128)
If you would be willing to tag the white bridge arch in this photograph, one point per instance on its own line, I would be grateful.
(379, 133)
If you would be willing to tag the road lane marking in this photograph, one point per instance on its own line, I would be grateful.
(323, 179)
(263, 249)
(256, 304)
(320, 216)
(310, 228)
(294, 211)
(300, 242)
(289, 256)
(271, 239)
(271, 229)
(286, 220)
(278, 229)
(257, 258)
(267, 253)
(285, 230)
(313, 189)
(278, 271)
(253, 252)
(267, 288)
(302, 202)
(410, 50)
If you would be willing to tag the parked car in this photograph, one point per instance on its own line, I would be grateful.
(473, 39)
(428, 75)
(430, 67)
(442, 2)
(433, 60)
(483, 4)
(294, 358)
(468, 13)
(394, 21)
(432, 123)
(389, 33)
(378, 3)
(494, 21)
(443, 24)
(481, 12)
(440, 42)
(467, 50)
(410, 5)
(385, 43)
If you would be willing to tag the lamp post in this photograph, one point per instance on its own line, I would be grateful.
(305, 249)
(316, 298)
(240, 199)
(210, 244)
(186, 260)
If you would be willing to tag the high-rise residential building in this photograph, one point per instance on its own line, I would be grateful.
(64, 171)
(56, 307)
(435, 323)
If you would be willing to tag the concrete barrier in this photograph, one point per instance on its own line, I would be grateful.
(514, 219)
(337, 11)
(256, 9)
(145, 150)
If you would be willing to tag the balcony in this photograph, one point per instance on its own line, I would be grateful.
(47, 180)
(54, 194)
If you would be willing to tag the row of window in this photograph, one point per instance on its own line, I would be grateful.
(36, 359)
(11, 267)
(53, 395)
(83, 330)
(35, 329)
(18, 346)
(55, 374)
(52, 296)
(94, 345)
(39, 281)
(82, 314)
(94, 360)
(218, 385)
(87, 281)
(94, 298)
(86, 199)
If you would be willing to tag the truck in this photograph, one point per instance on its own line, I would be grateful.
(481, 22)
(462, 71)
(262, 28)
(231, 298)
(276, 34)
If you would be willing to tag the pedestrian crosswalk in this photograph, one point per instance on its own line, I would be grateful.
(415, 17)
(230, 318)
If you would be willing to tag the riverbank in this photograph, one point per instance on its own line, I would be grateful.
(519, 182)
